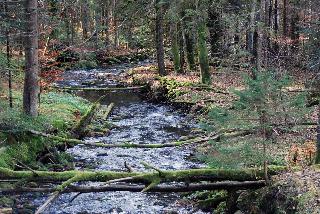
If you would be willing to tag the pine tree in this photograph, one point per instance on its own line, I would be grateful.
(262, 107)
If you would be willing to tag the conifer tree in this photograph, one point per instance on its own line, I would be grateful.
(262, 107)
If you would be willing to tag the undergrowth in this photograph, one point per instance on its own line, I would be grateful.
(58, 113)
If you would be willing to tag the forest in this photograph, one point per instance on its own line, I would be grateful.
(162, 106)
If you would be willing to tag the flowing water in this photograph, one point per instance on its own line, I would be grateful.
(137, 121)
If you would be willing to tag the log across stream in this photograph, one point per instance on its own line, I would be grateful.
(136, 121)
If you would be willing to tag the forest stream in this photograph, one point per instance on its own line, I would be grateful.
(135, 120)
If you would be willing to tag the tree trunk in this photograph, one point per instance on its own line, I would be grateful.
(175, 46)
(97, 26)
(276, 25)
(318, 137)
(284, 18)
(8, 59)
(294, 29)
(189, 40)
(159, 38)
(203, 54)
(181, 48)
(107, 24)
(256, 36)
(85, 19)
(190, 49)
(215, 32)
(31, 82)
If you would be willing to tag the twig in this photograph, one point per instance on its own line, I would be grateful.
(148, 166)
(128, 167)
(25, 166)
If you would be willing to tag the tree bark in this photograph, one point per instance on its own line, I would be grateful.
(181, 47)
(31, 82)
(284, 18)
(215, 31)
(85, 19)
(175, 46)
(318, 138)
(203, 54)
(8, 58)
(159, 38)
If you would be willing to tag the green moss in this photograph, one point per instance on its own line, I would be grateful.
(6, 202)
(57, 112)
(173, 87)
(85, 64)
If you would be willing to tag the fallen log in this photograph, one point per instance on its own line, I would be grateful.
(133, 145)
(79, 129)
(108, 111)
(190, 175)
(123, 145)
(102, 89)
(138, 188)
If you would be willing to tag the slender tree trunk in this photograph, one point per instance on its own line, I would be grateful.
(276, 25)
(284, 18)
(175, 46)
(8, 59)
(129, 35)
(114, 23)
(181, 47)
(116, 34)
(252, 24)
(159, 38)
(107, 24)
(188, 38)
(72, 28)
(97, 26)
(294, 31)
(31, 82)
(203, 54)
(215, 31)
(190, 49)
(318, 138)
(85, 19)
(256, 38)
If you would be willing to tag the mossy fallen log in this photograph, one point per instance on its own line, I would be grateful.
(79, 130)
(190, 175)
(108, 111)
(138, 188)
